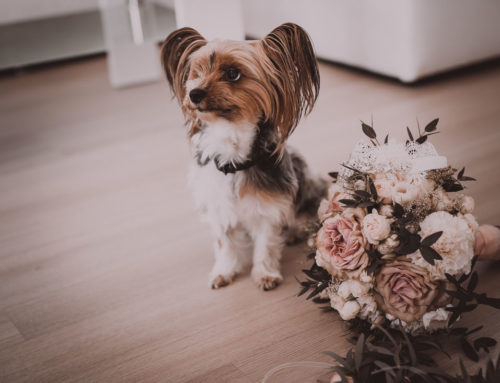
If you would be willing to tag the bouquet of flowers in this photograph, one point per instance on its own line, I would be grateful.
(395, 236)
(394, 256)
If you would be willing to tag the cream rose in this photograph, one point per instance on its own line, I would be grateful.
(456, 244)
(375, 227)
(353, 288)
(404, 192)
(405, 291)
(341, 245)
(350, 310)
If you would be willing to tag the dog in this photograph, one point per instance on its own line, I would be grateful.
(241, 101)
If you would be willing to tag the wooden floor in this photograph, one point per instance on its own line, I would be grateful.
(104, 263)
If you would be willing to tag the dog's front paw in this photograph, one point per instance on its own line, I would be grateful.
(219, 281)
(267, 281)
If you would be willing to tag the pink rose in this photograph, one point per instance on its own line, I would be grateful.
(341, 245)
(405, 291)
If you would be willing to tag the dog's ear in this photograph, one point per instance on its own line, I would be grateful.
(295, 76)
(175, 52)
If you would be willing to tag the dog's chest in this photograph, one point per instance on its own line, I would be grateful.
(220, 200)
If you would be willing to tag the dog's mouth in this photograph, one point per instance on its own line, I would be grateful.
(218, 111)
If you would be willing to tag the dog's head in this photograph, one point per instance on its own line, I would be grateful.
(274, 81)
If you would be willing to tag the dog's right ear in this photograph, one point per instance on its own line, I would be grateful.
(175, 52)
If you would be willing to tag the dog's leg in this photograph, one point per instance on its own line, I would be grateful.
(232, 249)
(268, 244)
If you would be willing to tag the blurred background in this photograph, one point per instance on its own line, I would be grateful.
(103, 261)
(407, 39)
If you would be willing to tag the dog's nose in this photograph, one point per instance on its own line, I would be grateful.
(196, 95)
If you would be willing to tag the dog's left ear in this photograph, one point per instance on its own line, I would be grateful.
(295, 76)
(175, 52)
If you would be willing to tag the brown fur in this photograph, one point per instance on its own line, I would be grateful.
(279, 78)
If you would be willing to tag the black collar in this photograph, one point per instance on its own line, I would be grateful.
(262, 153)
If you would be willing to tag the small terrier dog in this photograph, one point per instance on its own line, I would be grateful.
(241, 101)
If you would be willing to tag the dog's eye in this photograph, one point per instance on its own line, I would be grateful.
(232, 74)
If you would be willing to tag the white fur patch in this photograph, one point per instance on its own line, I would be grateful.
(227, 141)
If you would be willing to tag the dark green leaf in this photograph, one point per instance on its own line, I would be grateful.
(411, 350)
(321, 300)
(452, 186)
(334, 175)
(351, 168)
(431, 126)
(431, 239)
(466, 178)
(317, 290)
(421, 139)
(337, 357)
(303, 291)
(399, 211)
(368, 130)
(469, 350)
(373, 189)
(348, 202)
(465, 375)
(476, 329)
(362, 193)
(461, 173)
(358, 355)
(473, 281)
(374, 266)
(450, 278)
(429, 254)
(484, 343)
(485, 300)
(409, 134)
(468, 308)
(455, 294)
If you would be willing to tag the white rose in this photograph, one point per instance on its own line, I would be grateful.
(456, 244)
(354, 288)
(405, 192)
(389, 245)
(375, 227)
(350, 310)
(336, 301)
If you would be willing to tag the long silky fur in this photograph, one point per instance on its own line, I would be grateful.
(279, 84)
(289, 51)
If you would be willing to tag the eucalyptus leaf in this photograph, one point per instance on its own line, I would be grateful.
(368, 130)
(431, 126)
